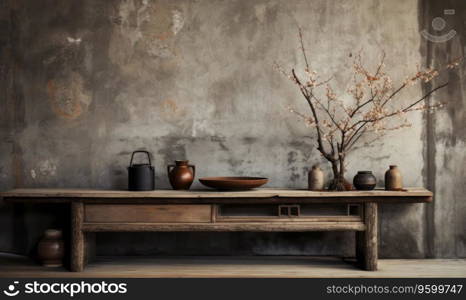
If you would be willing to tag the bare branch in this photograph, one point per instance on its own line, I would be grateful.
(302, 48)
(327, 110)
(426, 95)
(316, 118)
(406, 109)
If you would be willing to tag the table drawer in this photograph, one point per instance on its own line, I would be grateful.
(288, 213)
(146, 213)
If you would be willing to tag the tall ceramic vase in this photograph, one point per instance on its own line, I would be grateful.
(316, 179)
(393, 179)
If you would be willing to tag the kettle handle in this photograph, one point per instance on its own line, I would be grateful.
(139, 151)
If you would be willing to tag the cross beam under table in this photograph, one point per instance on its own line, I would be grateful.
(257, 210)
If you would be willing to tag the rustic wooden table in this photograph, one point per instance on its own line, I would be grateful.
(195, 210)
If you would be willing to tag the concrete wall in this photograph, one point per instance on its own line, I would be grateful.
(84, 83)
(445, 136)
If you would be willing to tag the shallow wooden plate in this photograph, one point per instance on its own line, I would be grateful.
(233, 183)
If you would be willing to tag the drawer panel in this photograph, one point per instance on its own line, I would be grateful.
(288, 213)
(146, 213)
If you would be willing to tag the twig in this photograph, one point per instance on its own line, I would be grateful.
(302, 48)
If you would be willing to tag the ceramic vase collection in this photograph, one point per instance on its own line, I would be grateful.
(50, 250)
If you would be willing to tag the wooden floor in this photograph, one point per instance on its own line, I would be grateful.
(238, 267)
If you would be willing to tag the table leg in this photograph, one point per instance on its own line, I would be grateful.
(366, 241)
(77, 237)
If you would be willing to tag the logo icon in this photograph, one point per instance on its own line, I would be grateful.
(439, 24)
(10, 291)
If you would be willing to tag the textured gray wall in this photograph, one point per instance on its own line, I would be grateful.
(445, 136)
(84, 83)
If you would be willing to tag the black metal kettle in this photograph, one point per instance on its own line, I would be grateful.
(141, 177)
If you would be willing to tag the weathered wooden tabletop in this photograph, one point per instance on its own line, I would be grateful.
(378, 195)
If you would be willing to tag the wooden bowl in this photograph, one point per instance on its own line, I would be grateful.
(233, 183)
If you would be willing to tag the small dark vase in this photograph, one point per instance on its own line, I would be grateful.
(364, 180)
(180, 175)
(50, 250)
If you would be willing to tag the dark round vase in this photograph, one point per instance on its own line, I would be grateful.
(50, 250)
(364, 180)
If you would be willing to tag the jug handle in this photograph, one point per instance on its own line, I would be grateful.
(139, 151)
(168, 168)
(194, 170)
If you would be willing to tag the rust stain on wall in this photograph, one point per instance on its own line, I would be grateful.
(170, 106)
(171, 111)
(145, 28)
(67, 97)
(61, 105)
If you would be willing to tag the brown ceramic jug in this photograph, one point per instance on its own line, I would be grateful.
(393, 179)
(180, 175)
(50, 250)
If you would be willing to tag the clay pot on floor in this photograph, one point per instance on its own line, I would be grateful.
(315, 179)
(364, 180)
(181, 175)
(50, 250)
(393, 179)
